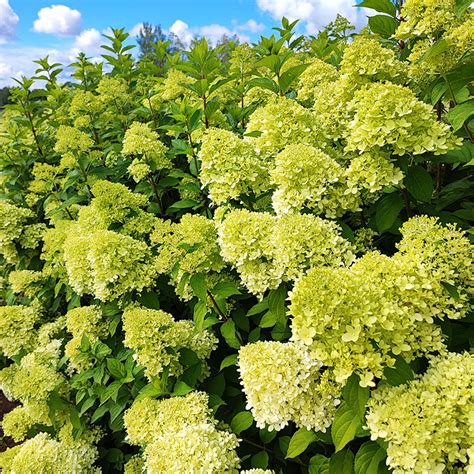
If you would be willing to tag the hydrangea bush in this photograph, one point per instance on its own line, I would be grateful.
(247, 258)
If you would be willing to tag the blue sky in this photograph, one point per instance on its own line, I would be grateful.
(34, 28)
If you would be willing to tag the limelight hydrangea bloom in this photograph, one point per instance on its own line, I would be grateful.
(195, 448)
(23, 281)
(187, 248)
(245, 239)
(426, 18)
(365, 57)
(17, 329)
(371, 171)
(282, 121)
(231, 167)
(283, 383)
(143, 143)
(317, 74)
(258, 471)
(305, 176)
(267, 250)
(71, 141)
(148, 418)
(389, 115)
(156, 339)
(427, 423)
(390, 301)
(180, 435)
(13, 222)
(107, 264)
(135, 465)
(303, 241)
(84, 321)
(46, 455)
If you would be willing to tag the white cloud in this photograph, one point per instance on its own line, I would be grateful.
(251, 25)
(212, 33)
(88, 42)
(59, 20)
(135, 30)
(8, 21)
(313, 13)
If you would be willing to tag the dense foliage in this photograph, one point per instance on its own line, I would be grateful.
(248, 258)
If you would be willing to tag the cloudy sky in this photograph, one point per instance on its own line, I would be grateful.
(30, 29)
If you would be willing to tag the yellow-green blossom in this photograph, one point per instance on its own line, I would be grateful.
(427, 423)
(157, 338)
(283, 383)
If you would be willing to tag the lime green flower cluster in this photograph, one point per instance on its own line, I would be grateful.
(437, 407)
(84, 321)
(366, 59)
(172, 87)
(305, 176)
(445, 251)
(318, 74)
(180, 435)
(388, 115)
(231, 167)
(364, 240)
(354, 319)
(149, 152)
(187, 248)
(17, 329)
(85, 109)
(426, 18)
(47, 455)
(13, 224)
(71, 141)
(266, 249)
(114, 204)
(370, 172)
(24, 282)
(281, 122)
(106, 264)
(157, 338)
(284, 383)
(135, 465)
(31, 382)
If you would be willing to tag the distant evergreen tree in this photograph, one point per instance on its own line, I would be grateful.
(4, 96)
(148, 37)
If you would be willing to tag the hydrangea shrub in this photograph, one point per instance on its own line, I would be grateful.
(244, 258)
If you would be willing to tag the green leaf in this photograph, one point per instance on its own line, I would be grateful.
(225, 289)
(299, 442)
(260, 307)
(264, 83)
(383, 25)
(111, 391)
(199, 314)
(345, 426)
(356, 396)
(318, 464)
(116, 368)
(368, 458)
(382, 6)
(419, 183)
(268, 320)
(459, 114)
(229, 333)
(149, 391)
(399, 374)
(436, 49)
(462, 6)
(387, 211)
(199, 286)
(241, 422)
(228, 361)
(451, 289)
(259, 460)
(342, 462)
(182, 204)
(288, 77)
(181, 388)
